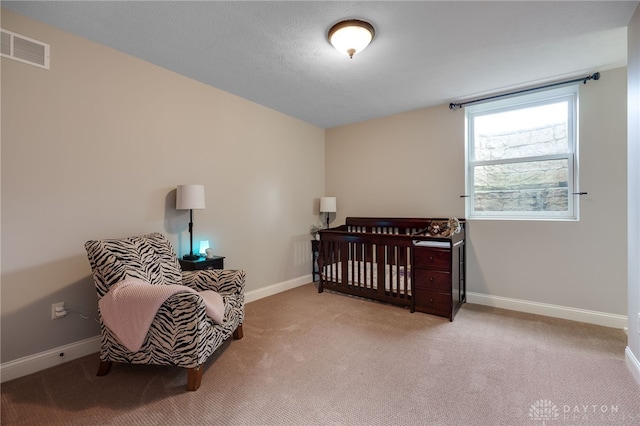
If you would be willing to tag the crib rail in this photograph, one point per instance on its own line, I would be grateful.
(396, 226)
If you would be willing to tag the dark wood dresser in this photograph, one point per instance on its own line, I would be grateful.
(439, 275)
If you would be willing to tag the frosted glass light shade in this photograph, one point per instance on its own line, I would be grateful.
(204, 245)
(328, 205)
(352, 36)
(190, 197)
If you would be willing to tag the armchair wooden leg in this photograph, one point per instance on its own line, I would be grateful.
(237, 334)
(104, 368)
(194, 378)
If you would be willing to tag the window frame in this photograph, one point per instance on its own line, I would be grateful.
(543, 97)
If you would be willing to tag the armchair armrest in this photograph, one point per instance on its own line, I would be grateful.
(223, 281)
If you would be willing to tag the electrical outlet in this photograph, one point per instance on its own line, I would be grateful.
(58, 311)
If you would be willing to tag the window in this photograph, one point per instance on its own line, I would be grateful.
(522, 157)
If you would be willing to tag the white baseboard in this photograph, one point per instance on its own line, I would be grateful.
(40, 361)
(260, 293)
(556, 311)
(632, 364)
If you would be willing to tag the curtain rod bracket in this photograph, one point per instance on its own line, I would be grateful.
(594, 76)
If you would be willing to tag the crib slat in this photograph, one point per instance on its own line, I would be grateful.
(380, 262)
(406, 286)
(353, 264)
(362, 265)
(397, 291)
(344, 263)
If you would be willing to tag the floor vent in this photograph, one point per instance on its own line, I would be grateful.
(25, 49)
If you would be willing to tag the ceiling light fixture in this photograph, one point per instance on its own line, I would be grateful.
(351, 36)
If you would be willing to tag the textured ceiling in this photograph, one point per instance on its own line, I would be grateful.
(425, 53)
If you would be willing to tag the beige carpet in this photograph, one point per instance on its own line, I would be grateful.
(329, 359)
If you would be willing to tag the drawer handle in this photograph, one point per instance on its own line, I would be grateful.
(431, 300)
(431, 279)
(430, 258)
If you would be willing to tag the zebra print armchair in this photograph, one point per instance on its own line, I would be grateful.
(181, 333)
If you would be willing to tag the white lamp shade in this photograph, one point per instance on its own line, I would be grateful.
(328, 205)
(190, 197)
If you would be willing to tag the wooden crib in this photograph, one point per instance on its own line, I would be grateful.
(401, 261)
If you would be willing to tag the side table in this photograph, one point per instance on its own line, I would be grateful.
(217, 262)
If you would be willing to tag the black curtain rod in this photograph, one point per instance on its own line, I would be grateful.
(595, 76)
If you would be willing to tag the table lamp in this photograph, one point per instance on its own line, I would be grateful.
(190, 197)
(328, 205)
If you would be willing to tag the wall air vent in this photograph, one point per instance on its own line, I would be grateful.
(25, 49)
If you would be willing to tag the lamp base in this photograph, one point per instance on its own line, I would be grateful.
(191, 257)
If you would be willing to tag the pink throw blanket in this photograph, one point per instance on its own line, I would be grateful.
(129, 307)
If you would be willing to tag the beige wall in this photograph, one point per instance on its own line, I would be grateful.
(412, 164)
(94, 148)
(409, 164)
(634, 192)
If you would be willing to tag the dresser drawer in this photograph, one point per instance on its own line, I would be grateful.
(432, 258)
(432, 280)
(433, 302)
